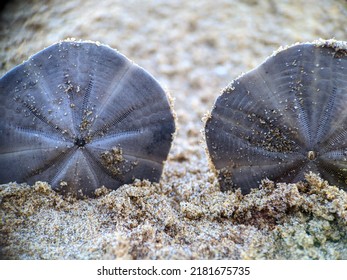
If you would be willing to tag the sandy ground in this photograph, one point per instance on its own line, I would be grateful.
(193, 48)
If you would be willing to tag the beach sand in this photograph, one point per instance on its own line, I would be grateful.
(194, 49)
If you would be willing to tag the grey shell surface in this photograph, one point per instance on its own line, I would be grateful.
(286, 117)
(80, 115)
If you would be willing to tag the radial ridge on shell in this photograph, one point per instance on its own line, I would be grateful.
(81, 115)
(282, 119)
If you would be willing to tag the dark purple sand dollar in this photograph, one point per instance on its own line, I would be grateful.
(286, 117)
(80, 115)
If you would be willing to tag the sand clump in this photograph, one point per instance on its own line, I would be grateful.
(194, 49)
(306, 220)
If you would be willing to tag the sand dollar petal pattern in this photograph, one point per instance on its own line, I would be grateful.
(80, 115)
(286, 117)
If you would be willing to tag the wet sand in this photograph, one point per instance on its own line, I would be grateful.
(194, 49)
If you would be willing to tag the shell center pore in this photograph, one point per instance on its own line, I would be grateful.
(80, 142)
(311, 155)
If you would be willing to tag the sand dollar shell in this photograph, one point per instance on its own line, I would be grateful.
(81, 115)
(284, 118)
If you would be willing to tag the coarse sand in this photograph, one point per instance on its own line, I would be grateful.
(194, 49)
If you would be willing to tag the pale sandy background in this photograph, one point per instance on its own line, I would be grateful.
(194, 49)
